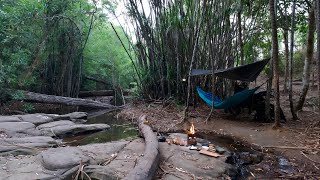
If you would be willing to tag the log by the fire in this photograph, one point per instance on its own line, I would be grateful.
(147, 165)
(51, 99)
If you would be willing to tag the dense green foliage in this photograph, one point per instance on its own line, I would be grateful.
(49, 46)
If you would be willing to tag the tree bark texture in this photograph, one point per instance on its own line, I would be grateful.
(240, 38)
(99, 93)
(148, 164)
(275, 62)
(308, 59)
(286, 49)
(293, 112)
(51, 99)
(318, 47)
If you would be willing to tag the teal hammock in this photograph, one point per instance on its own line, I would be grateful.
(229, 102)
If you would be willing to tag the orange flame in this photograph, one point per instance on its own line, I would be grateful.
(192, 130)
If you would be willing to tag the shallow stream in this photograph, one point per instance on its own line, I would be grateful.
(120, 129)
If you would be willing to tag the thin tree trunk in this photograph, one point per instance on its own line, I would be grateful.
(240, 38)
(286, 49)
(275, 62)
(190, 67)
(293, 112)
(308, 59)
(318, 47)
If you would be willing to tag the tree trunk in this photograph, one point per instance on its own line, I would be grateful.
(240, 38)
(286, 48)
(98, 80)
(318, 48)
(293, 112)
(308, 59)
(148, 164)
(100, 93)
(51, 99)
(275, 62)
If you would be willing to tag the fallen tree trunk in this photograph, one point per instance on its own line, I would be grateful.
(97, 80)
(100, 93)
(147, 165)
(96, 93)
(51, 99)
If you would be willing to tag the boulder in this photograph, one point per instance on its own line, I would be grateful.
(63, 158)
(30, 168)
(70, 116)
(64, 127)
(35, 118)
(122, 163)
(16, 126)
(55, 124)
(180, 159)
(9, 119)
(102, 152)
(25, 145)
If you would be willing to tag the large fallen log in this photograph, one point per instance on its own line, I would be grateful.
(51, 99)
(100, 93)
(96, 93)
(97, 80)
(147, 165)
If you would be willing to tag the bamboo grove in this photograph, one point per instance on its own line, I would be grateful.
(179, 35)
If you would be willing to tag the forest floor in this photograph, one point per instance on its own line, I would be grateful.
(298, 141)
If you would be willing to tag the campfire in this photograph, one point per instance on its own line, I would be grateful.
(192, 140)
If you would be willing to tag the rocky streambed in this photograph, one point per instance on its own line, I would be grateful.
(51, 146)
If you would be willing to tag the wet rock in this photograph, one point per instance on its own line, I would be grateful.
(35, 118)
(249, 158)
(26, 145)
(63, 127)
(70, 116)
(9, 119)
(77, 115)
(63, 158)
(55, 124)
(16, 126)
(219, 149)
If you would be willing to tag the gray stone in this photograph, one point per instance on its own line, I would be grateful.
(63, 127)
(102, 152)
(35, 118)
(30, 168)
(74, 115)
(63, 158)
(16, 126)
(9, 119)
(184, 160)
(122, 164)
(220, 150)
(25, 145)
(55, 124)
(77, 115)
(34, 139)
